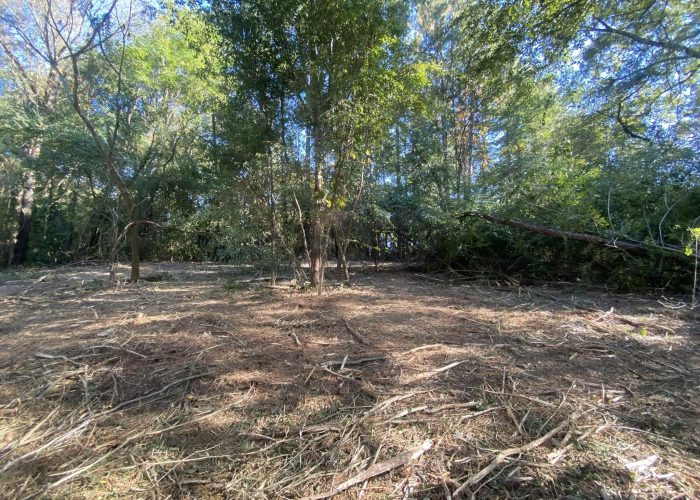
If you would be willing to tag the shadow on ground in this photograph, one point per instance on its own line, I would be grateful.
(189, 386)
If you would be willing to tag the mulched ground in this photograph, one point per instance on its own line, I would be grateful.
(200, 382)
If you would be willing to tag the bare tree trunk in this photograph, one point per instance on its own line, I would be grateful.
(470, 150)
(336, 245)
(317, 229)
(304, 239)
(19, 245)
(135, 252)
(343, 262)
(273, 222)
(341, 247)
(316, 250)
(375, 251)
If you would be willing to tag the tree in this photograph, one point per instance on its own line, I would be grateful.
(63, 35)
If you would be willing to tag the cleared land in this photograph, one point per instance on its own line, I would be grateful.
(202, 383)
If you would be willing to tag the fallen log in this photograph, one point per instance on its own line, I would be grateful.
(627, 246)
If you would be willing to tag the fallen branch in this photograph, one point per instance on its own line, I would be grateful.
(352, 332)
(422, 376)
(377, 469)
(479, 413)
(628, 246)
(503, 455)
(351, 362)
(118, 348)
(44, 277)
(294, 336)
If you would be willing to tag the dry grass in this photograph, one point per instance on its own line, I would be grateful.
(195, 385)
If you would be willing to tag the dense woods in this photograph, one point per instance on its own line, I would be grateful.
(281, 132)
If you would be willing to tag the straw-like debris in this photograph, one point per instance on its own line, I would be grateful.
(184, 386)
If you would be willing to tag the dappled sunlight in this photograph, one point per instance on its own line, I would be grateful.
(138, 382)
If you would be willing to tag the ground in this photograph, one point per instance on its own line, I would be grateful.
(202, 382)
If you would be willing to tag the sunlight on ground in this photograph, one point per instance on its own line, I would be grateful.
(186, 386)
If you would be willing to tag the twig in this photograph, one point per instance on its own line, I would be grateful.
(480, 413)
(70, 475)
(434, 372)
(59, 356)
(118, 348)
(344, 377)
(377, 469)
(388, 402)
(403, 413)
(43, 278)
(515, 394)
(503, 455)
(352, 332)
(352, 362)
(82, 425)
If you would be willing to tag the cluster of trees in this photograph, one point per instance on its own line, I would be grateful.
(285, 131)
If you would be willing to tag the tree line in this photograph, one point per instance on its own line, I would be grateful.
(283, 132)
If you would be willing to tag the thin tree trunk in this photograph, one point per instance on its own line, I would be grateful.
(304, 239)
(341, 259)
(317, 230)
(334, 235)
(273, 222)
(19, 248)
(316, 255)
(135, 252)
(343, 262)
(470, 151)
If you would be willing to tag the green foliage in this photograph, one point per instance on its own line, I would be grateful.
(243, 123)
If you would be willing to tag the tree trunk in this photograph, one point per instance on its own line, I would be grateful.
(316, 240)
(336, 244)
(317, 230)
(341, 248)
(19, 248)
(135, 252)
(343, 262)
(273, 228)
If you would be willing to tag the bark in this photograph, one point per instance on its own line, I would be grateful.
(317, 229)
(20, 248)
(375, 251)
(273, 229)
(302, 226)
(336, 244)
(341, 253)
(627, 246)
(316, 240)
(135, 252)
(343, 261)
(68, 245)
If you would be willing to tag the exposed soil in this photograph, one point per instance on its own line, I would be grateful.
(200, 382)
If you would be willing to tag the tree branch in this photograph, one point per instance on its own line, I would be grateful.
(668, 45)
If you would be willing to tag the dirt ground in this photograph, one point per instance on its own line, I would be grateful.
(201, 382)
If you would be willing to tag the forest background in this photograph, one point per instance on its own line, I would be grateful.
(519, 139)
